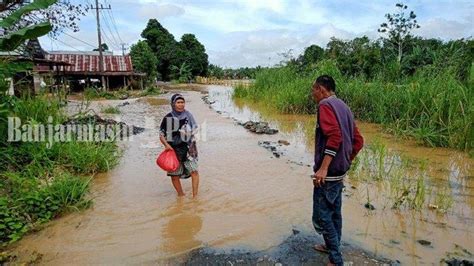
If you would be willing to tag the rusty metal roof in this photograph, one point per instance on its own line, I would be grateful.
(90, 63)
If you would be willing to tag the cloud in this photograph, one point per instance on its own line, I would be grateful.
(446, 29)
(253, 32)
(153, 10)
(264, 47)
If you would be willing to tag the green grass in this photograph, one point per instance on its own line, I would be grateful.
(152, 90)
(111, 110)
(91, 93)
(402, 180)
(435, 109)
(38, 183)
(94, 94)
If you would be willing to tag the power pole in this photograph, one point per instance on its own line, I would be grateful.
(123, 48)
(99, 38)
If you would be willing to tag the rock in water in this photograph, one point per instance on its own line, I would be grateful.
(369, 206)
(424, 242)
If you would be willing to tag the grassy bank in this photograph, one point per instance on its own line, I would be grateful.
(433, 107)
(92, 93)
(38, 183)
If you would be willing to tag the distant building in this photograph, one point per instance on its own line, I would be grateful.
(76, 70)
(84, 66)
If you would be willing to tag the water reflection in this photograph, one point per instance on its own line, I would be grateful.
(180, 232)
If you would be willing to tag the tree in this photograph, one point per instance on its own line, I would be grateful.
(10, 42)
(398, 28)
(163, 45)
(194, 55)
(312, 55)
(105, 47)
(357, 57)
(182, 73)
(215, 71)
(62, 15)
(144, 60)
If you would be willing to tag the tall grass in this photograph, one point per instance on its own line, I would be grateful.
(433, 107)
(402, 180)
(38, 183)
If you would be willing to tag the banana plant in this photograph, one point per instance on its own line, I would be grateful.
(12, 40)
(183, 73)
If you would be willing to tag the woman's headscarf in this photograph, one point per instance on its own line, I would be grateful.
(184, 114)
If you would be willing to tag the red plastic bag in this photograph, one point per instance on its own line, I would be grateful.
(168, 161)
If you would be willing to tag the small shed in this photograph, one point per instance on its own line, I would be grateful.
(83, 69)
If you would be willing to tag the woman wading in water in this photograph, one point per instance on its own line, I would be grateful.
(177, 133)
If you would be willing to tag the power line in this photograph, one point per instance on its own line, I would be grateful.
(99, 39)
(77, 39)
(114, 23)
(57, 40)
(107, 25)
(112, 20)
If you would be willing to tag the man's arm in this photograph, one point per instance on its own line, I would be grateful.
(332, 131)
(330, 128)
(357, 143)
(322, 172)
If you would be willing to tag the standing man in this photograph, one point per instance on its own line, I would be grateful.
(337, 143)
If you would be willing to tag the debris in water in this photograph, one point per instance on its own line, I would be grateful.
(369, 206)
(259, 128)
(271, 146)
(395, 242)
(424, 242)
(206, 100)
(97, 120)
(458, 262)
(284, 142)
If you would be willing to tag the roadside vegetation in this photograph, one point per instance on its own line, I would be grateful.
(423, 89)
(40, 182)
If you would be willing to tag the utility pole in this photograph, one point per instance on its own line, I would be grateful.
(99, 38)
(123, 48)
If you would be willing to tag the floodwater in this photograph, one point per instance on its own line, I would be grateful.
(248, 198)
(390, 233)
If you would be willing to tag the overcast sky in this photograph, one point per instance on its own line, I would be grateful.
(253, 32)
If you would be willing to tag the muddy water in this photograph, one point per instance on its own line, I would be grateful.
(391, 233)
(248, 198)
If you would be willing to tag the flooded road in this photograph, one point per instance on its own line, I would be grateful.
(448, 174)
(248, 197)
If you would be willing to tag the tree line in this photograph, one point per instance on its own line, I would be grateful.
(161, 57)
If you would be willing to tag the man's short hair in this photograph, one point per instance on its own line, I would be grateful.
(327, 82)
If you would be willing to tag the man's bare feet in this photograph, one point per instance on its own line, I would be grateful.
(321, 248)
(331, 264)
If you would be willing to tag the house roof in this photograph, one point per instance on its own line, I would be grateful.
(86, 63)
(81, 52)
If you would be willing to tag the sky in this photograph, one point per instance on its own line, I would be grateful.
(239, 33)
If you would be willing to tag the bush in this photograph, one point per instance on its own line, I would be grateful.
(433, 107)
(111, 110)
(38, 183)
